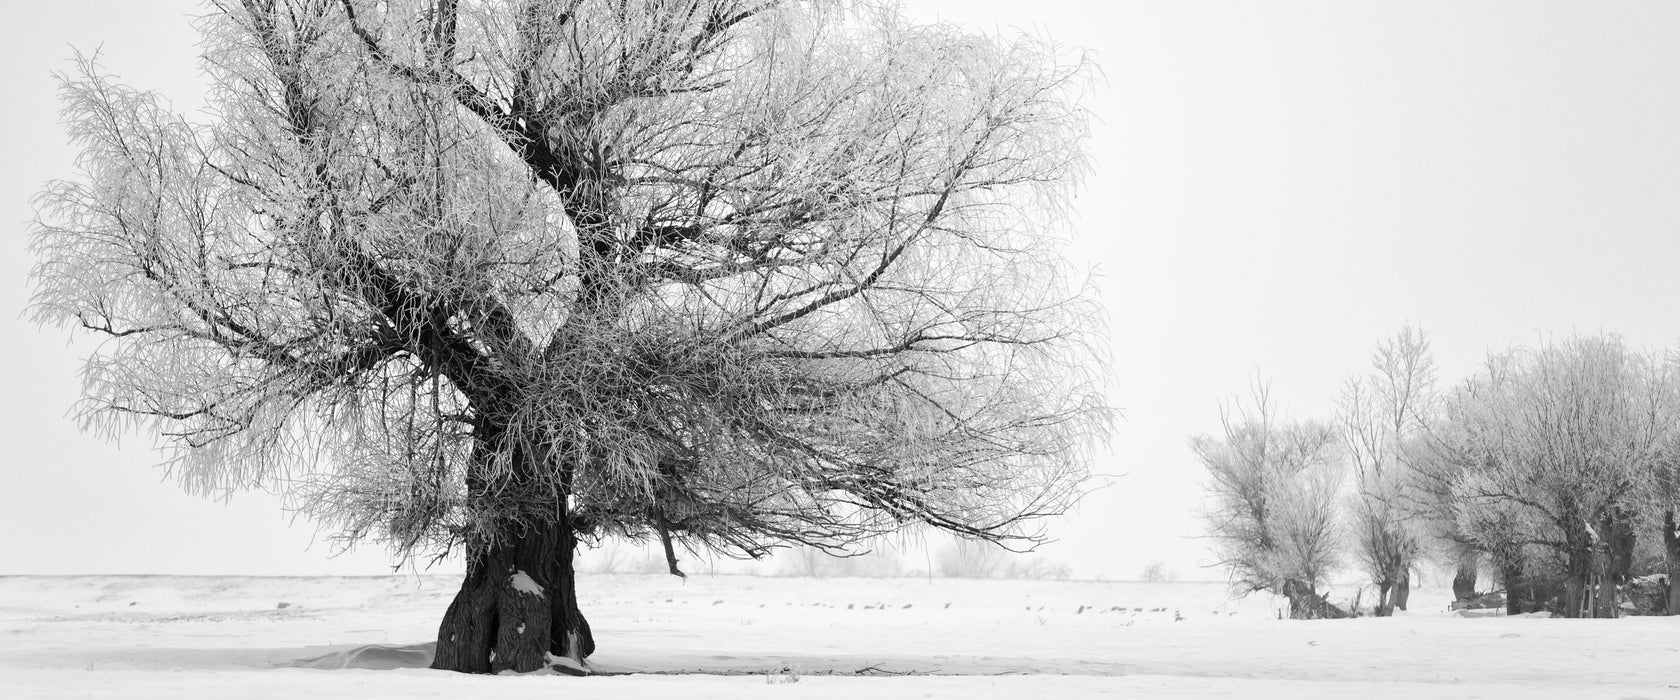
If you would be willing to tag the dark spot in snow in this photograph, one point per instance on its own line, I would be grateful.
(282, 605)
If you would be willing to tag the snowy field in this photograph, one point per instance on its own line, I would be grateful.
(749, 637)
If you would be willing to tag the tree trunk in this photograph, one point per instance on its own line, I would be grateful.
(1574, 596)
(1578, 589)
(1671, 552)
(1623, 540)
(1604, 597)
(1307, 604)
(1402, 591)
(1510, 574)
(517, 609)
(1464, 581)
(1384, 607)
(1618, 565)
(1594, 570)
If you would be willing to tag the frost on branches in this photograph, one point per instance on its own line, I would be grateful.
(1275, 485)
(1560, 455)
(502, 277)
(1381, 417)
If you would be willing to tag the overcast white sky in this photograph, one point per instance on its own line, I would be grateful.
(1279, 184)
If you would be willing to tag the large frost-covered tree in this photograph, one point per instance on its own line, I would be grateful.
(501, 276)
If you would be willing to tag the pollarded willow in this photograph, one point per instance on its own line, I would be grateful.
(499, 276)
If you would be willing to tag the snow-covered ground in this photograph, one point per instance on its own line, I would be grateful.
(747, 637)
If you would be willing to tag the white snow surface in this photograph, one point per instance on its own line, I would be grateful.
(197, 638)
(523, 583)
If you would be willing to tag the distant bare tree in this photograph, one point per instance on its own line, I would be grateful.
(1378, 414)
(816, 562)
(1157, 572)
(1275, 486)
(496, 277)
(969, 559)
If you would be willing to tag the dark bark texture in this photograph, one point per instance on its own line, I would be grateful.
(1394, 591)
(1464, 580)
(1596, 570)
(1384, 607)
(517, 606)
(1510, 574)
(1307, 604)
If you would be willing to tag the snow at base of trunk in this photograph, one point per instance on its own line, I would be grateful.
(523, 583)
(553, 666)
(570, 664)
(567, 664)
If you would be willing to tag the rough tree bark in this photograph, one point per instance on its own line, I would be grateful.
(1596, 569)
(1618, 565)
(1576, 588)
(1510, 574)
(1464, 580)
(1307, 604)
(1402, 592)
(517, 607)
